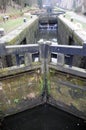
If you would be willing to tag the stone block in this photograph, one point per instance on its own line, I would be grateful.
(5, 18)
(2, 48)
(2, 32)
(1, 64)
(24, 20)
(60, 59)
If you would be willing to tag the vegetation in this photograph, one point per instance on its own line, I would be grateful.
(17, 4)
(14, 10)
(62, 90)
(76, 21)
(12, 24)
(17, 89)
(13, 3)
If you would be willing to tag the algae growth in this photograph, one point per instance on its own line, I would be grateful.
(68, 89)
(13, 90)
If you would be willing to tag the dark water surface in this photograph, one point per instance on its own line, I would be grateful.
(44, 117)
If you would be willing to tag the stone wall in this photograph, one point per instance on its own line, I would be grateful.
(67, 31)
(69, 34)
(25, 34)
(27, 31)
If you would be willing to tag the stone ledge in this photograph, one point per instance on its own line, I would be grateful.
(2, 48)
(17, 35)
(71, 70)
(17, 69)
(76, 31)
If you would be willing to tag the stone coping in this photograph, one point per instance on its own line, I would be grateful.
(71, 70)
(14, 70)
(18, 31)
(74, 28)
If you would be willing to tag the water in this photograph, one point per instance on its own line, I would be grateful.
(44, 117)
(48, 35)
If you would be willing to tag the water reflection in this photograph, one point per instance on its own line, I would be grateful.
(44, 117)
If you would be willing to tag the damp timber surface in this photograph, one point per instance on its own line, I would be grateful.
(43, 117)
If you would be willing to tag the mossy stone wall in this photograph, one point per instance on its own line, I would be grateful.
(65, 32)
(26, 31)
(25, 34)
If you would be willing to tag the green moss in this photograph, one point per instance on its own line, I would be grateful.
(16, 100)
(65, 93)
(41, 83)
(23, 31)
(25, 86)
(75, 21)
(36, 63)
(4, 71)
(70, 32)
